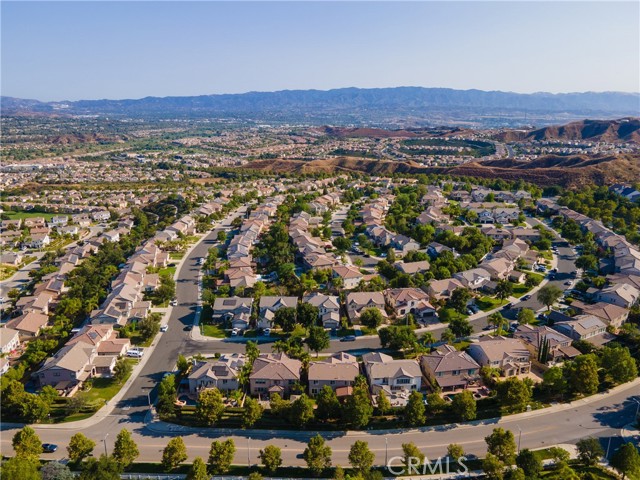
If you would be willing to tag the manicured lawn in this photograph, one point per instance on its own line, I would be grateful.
(58, 243)
(343, 332)
(368, 331)
(105, 388)
(519, 290)
(447, 314)
(213, 331)
(176, 255)
(170, 270)
(488, 303)
(23, 215)
(461, 345)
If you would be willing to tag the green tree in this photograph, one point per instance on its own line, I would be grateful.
(497, 320)
(619, 365)
(493, 467)
(80, 447)
(517, 474)
(210, 406)
(252, 412)
(383, 403)
(460, 327)
(554, 382)
(455, 451)
(198, 470)
(104, 468)
(589, 450)
(183, 365)
(51, 471)
(174, 454)
(529, 462)
(148, 327)
(307, 314)
(251, 351)
(327, 403)
(526, 316)
(271, 458)
(582, 375)
(548, 295)
(317, 455)
(278, 406)
(414, 412)
(627, 461)
(358, 409)
(26, 443)
(221, 456)
(409, 455)
(301, 411)
(464, 406)
(221, 236)
(318, 339)
(167, 395)
(371, 317)
(504, 289)
(360, 457)
(122, 370)
(501, 443)
(22, 468)
(285, 318)
(459, 299)
(447, 336)
(514, 394)
(125, 449)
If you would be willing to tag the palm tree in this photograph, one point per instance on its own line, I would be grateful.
(497, 320)
(427, 339)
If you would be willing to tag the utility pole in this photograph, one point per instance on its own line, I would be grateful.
(519, 437)
(104, 440)
(386, 452)
(248, 453)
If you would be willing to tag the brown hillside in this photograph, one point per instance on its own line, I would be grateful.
(622, 130)
(71, 139)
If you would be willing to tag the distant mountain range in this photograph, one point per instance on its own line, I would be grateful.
(619, 130)
(400, 106)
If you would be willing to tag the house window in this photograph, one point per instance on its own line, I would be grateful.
(56, 374)
(224, 381)
(455, 372)
(333, 382)
(403, 381)
(260, 382)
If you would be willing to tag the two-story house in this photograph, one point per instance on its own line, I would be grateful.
(509, 355)
(274, 373)
(410, 300)
(449, 368)
(269, 305)
(337, 371)
(385, 373)
(221, 373)
(328, 308)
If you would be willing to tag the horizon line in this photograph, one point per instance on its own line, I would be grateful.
(323, 90)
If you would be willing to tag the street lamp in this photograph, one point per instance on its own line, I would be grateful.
(386, 452)
(248, 453)
(519, 437)
(104, 440)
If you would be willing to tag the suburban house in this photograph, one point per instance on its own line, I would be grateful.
(274, 373)
(609, 313)
(385, 373)
(351, 276)
(221, 373)
(356, 302)
(328, 309)
(235, 310)
(450, 369)
(9, 340)
(558, 346)
(29, 324)
(582, 327)
(270, 305)
(442, 289)
(339, 370)
(39, 240)
(413, 267)
(404, 244)
(67, 369)
(498, 268)
(473, 279)
(410, 300)
(621, 294)
(509, 355)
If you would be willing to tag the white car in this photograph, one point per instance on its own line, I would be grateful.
(135, 353)
(173, 303)
(164, 328)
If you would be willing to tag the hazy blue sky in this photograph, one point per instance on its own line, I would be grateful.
(88, 50)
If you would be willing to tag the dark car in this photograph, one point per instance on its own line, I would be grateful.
(488, 327)
(188, 328)
(49, 447)
(348, 338)
(508, 306)
(525, 298)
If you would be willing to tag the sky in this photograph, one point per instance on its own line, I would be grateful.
(75, 50)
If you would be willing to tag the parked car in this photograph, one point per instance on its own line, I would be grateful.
(49, 447)
(135, 353)
(173, 302)
(525, 298)
(188, 328)
(266, 331)
(164, 328)
(508, 306)
(348, 338)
